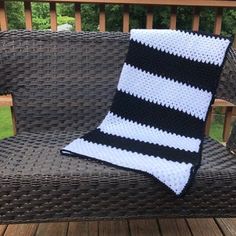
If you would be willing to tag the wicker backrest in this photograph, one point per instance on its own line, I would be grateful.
(227, 86)
(65, 80)
(60, 80)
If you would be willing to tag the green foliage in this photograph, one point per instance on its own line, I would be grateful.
(229, 22)
(15, 15)
(90, 12)
(216, 130)
(40, 10)
(41, 23)
(66, 9)
(114, 17)
(40, 16)
(161, 17)
(207, 17)
(61, 20)
(137, 17)
(184, 18)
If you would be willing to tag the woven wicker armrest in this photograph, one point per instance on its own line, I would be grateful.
(63, 84)
(231, 144)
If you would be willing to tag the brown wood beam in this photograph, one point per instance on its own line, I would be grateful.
(206, 3)
(28, 15)
(3, 17)
(78, 21)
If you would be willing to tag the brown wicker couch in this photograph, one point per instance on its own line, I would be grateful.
(62, 85)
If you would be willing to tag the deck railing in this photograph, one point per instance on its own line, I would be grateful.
(218, 5)
(196, 5)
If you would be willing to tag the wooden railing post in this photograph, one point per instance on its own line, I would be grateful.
(218, 20)
(78, 21)
(102, 18)
(196, 18)
(234, 43)
(227, 123)
(208, 122)
(3, 17)
(173, 17)
(53, 16)
(149, 17)
(28, 15)
(126, 18)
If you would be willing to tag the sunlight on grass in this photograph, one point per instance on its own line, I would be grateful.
(216, 131)
(217, 126)
(5, 122)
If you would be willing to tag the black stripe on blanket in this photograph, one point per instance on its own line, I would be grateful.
(155, 124)
(96, 136)
(191, 72)
(157, 116)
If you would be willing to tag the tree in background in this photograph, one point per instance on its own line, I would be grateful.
(15, 15)
(40, 16)
(90, 14)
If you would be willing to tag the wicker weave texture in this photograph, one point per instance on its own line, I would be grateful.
(60, 80)
(227, 85)
(38, 184)
(62, 85)
(66, 80)
(231, 144)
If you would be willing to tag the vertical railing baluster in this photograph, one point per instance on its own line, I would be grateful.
(78, 21)
(53, 16)
(208, 122)
(149, 17)
(173, 17)
(28, 15)
(196, 18)
(102, 18)
(126, 18)
(227, 123)
(234, 42)
(3, 17)
(218, 20)
(13, 118)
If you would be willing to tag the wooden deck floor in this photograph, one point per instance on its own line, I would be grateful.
(152, 227)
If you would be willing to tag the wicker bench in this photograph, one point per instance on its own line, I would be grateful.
(62, 85)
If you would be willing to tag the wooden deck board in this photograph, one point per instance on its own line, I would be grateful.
(204, 227)
(21, 230)
(2, 229)
(83, 228)
(51, 229)
(177, 227)
(144, 227)
(227, 225)
(152, 227)
(114, 228)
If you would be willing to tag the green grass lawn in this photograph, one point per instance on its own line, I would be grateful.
(5, 122)
(6, 125)
(216, 131)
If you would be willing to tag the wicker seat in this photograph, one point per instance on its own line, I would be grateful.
(62, 84)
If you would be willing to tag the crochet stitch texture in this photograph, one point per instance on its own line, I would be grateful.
(156, 121)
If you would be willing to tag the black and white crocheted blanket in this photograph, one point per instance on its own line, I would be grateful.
(156, 121)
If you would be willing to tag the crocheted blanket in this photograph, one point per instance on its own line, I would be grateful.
(156, 121)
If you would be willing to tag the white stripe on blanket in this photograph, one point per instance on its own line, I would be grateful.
(196, 47)
(173, 174)
(164, 91)
(115, 125)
